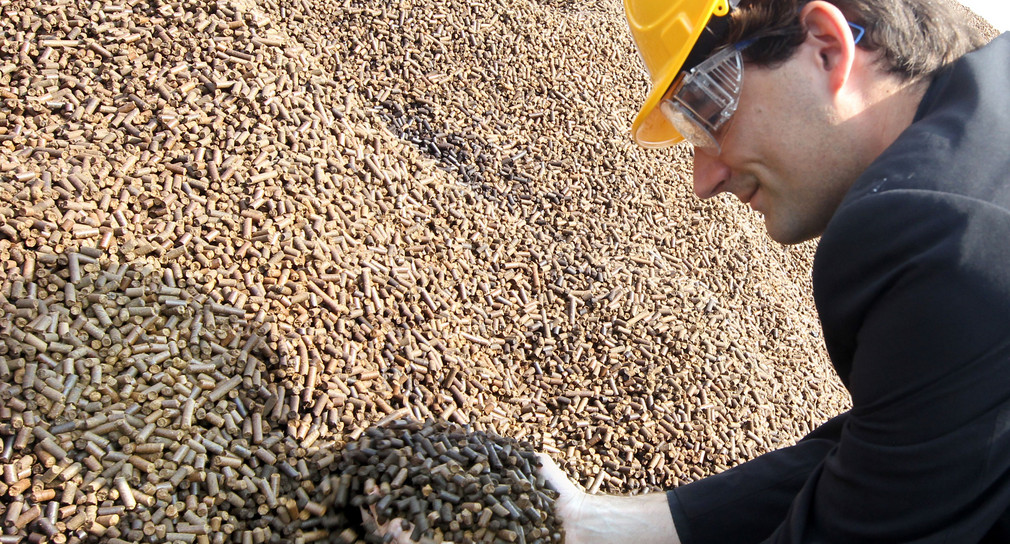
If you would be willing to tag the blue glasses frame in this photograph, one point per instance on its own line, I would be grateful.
(859, 31)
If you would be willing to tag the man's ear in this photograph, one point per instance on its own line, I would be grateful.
(829, 35)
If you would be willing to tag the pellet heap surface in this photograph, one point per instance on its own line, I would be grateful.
(236, 235)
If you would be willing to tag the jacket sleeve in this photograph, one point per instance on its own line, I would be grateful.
(747, 502)
(913, 290)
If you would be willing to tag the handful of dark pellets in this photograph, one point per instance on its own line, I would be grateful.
(445, 484)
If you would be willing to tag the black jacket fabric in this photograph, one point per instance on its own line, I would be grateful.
(912, 284)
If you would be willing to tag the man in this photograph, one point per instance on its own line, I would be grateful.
(896, 151)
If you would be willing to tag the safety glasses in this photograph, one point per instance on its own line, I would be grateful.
(701, 101)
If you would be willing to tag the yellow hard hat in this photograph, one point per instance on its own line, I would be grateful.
(665, 32)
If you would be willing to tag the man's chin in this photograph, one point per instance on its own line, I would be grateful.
(781, 233)
(786, 236)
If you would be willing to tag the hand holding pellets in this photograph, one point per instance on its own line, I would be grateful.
(450, 484)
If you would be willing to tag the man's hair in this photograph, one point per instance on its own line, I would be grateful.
(914, 38)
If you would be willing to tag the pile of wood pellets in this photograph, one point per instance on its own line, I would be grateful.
(238, 237)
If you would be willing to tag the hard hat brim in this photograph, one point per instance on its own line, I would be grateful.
(650, 127)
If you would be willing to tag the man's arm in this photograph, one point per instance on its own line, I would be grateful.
(604, 519)
(744, 503)
(913, 291)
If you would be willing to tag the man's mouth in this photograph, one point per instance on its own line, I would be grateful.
(746, 198)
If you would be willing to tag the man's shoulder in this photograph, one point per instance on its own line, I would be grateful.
(958, 143)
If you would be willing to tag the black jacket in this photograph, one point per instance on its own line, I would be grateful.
(912, 284)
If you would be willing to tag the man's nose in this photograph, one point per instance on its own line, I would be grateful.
(710, 173)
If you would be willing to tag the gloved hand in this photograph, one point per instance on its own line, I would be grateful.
(570, 502)
(604, 519)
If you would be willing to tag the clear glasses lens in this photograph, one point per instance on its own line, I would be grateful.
(687, 124)
(706, 98)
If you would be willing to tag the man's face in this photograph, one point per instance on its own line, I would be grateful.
(783, 153)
